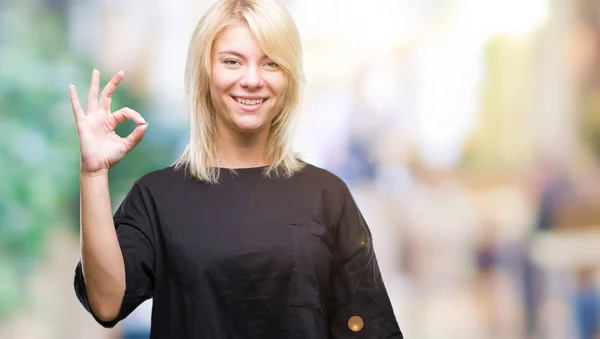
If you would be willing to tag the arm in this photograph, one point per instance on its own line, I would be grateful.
(102, 276)
(136, 253)
(101, 259)
(359, 306)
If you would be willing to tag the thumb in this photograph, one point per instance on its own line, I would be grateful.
(136, 136)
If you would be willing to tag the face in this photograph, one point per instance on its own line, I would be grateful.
(247, 88)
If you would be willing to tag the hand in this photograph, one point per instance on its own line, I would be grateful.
(101, 148)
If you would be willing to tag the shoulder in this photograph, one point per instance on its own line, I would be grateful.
(322, 175)
(161, 186)
(325, 179)
(164, 178)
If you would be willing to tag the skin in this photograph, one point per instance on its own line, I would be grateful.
(240, 69)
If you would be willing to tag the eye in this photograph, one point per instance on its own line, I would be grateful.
(231, 62)
(272, 64)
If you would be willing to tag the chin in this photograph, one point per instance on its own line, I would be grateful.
(249, 125)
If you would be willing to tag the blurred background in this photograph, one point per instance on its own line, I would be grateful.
(468, 131)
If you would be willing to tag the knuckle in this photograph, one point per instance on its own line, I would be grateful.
(108, 92)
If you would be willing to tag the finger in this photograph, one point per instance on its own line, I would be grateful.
(127, 113)
(92, 100)
(77, 110)
(109, 89)
(136, 136)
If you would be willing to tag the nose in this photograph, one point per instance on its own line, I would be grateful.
(251, 79)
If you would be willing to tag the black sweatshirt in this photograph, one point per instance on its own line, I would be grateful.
(250, 257)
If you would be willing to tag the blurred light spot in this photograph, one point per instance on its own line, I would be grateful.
(355, 323)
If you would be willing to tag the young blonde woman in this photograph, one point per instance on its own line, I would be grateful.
(239, 238)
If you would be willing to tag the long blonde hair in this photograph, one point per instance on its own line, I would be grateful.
(276, 32)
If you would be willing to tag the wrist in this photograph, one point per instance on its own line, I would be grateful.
(93, 174)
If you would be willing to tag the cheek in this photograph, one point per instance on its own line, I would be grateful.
(222, 82)
(277, 83)
(216, 97)
(281, 91)
(277, 86)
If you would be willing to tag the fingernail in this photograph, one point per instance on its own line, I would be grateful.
(71, 86)
(143, 121)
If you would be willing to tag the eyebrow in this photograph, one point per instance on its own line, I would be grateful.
(238, 54)
(233, 53)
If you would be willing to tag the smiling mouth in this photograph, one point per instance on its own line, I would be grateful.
(250, 102)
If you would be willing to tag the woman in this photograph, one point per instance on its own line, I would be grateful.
(239, 238)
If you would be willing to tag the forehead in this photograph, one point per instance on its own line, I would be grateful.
(238, 38)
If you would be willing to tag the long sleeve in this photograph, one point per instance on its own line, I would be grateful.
(136, 240)
(359, 305)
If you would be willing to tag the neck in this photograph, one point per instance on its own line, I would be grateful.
(242, 150)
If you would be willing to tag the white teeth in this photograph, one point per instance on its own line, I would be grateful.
(249, 101)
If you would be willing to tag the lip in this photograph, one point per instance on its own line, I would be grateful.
(248, 97)
(249, 108)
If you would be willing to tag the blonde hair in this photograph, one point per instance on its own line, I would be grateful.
(274, 28)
